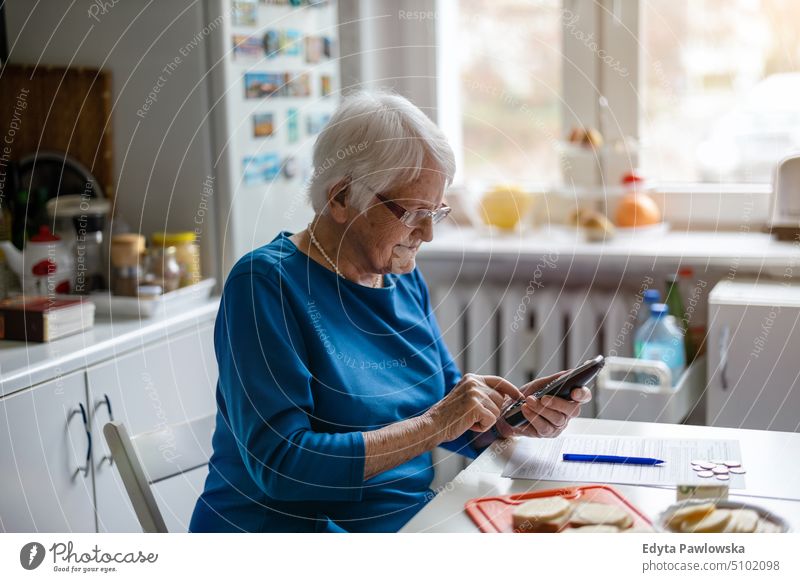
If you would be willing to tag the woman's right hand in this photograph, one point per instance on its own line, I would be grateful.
(474, 403)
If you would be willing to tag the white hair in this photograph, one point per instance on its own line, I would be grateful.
(379, 141)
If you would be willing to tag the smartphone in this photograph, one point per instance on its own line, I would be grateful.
(561, 387)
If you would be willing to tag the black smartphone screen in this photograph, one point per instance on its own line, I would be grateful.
(580, 376)
(561, 387)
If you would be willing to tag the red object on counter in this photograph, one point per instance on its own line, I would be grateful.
(493, 514)
(44, 235)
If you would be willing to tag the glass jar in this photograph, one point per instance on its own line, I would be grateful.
(163, 268)
(89, 253)
(126, 270)
(187, 253)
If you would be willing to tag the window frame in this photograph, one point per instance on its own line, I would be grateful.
(691, 205)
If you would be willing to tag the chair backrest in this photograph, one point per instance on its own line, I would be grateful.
(151, 457)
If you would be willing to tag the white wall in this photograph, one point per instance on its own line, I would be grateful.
(162, 159)
(390, 44)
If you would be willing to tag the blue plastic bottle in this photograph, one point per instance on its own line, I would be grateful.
(649, 297)
(661, 339)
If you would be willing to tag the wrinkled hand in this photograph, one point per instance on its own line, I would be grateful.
(474, 403)
(547, 417)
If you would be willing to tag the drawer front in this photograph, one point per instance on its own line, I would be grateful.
(148, 389)
(753, 370)
(42, 456)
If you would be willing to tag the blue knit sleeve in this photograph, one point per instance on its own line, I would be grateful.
(266, 387)
(463, 444)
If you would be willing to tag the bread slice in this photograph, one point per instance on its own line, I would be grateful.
(600, 514)
(689, 514)
(714, 522)
(767, 526)
(742, 521)
(545, 515)
(551, 526)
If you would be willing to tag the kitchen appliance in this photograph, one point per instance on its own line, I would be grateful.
(753, 342)
(785, 218)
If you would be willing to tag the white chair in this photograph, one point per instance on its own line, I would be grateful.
(155, 456)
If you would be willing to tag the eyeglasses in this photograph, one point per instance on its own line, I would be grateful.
(414, 218)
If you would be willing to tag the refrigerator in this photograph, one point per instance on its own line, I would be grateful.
(274, 83)
(754, 355)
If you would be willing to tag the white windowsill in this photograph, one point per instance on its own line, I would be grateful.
(753, 251)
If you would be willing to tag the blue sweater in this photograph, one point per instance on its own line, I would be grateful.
(307, 362)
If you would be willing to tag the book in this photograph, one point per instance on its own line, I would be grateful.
(43, 319)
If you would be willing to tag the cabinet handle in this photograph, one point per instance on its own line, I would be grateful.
(724, 344)
(107, 401)
(85, 469)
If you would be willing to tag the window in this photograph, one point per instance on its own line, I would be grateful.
(721, 99)
(708, 102)
(508, 54)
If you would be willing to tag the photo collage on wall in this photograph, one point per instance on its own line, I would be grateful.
(281, 64)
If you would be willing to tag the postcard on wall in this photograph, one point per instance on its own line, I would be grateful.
(298, 85)
(263, 124)
(260, 168)
(291, 42)
(314, 49)
(326, 85)
(271, 43)
(243, 12)
(257, 85)
(292, 125)
(247, 47)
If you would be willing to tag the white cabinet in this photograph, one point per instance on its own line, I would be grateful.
(148, 389)
(45, 475)
(754, 356)
(147, 373)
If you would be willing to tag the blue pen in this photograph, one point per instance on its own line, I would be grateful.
(612, 459)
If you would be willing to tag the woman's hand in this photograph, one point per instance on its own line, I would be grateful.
(474, 403)
(547, 417)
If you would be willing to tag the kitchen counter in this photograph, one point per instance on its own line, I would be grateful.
(26, 364)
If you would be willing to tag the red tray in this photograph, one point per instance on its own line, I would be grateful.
(493, 514)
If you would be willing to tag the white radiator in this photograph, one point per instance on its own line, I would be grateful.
(522, 332)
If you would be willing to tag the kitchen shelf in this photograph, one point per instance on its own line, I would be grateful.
(108, 305)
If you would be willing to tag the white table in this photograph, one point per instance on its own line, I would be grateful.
(771, 459)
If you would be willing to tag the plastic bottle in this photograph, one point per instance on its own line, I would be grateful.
(661, 339)
(649, 297)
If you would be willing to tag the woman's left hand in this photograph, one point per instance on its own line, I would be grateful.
(547, 417)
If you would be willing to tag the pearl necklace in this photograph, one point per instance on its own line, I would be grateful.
(315, 242)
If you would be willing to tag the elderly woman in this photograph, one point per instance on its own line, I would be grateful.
(334, 382)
